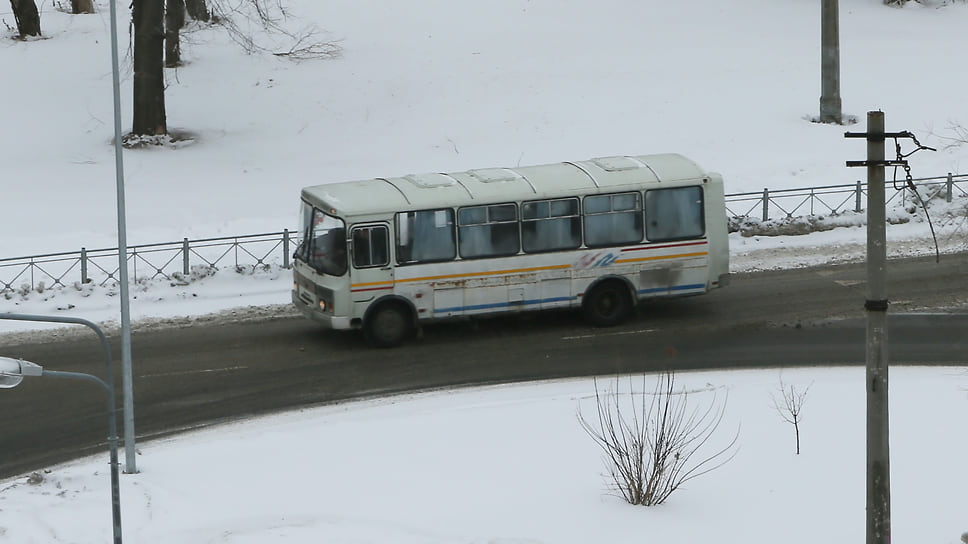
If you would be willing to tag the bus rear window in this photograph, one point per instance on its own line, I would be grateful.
(674, 214)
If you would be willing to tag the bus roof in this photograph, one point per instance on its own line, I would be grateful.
(495, 185)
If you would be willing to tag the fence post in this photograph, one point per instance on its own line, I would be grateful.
(285, 246)
(766, 204)
(949, 185)
(84, 278)
(857, 207)
(185, 256)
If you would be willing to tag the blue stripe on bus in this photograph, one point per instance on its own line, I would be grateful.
(502, 304)
(494, 305)
(673, 288)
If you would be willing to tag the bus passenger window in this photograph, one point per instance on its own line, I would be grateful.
(370, 246)
(674, 214)
(550, 225)
(612, 220)
(488, 231)
(425, 236)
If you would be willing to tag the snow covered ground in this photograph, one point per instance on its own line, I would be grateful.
(447, 86)
(512, 465)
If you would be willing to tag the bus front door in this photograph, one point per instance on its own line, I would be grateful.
(372, 274)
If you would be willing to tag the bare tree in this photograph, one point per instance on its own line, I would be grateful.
(27, 17)
(157, 43)
(174, 21)
(198, 10)
(959, 135)
(789, 405)
(82, 6)
(655, 443)
(149, 76)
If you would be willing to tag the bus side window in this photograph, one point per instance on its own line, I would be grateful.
(371, 246)
(426, 236)
(550, 225)
(488, 231)
(674, 214)
(612, 220)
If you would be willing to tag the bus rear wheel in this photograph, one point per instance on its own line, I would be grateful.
(607, 304)
(388, 326)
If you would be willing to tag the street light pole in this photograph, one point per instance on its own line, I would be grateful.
(126, 374)
(12, 372)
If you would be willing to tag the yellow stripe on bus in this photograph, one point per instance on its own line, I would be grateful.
(659, 257)
(464, 275)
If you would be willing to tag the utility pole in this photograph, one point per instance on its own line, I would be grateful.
(830, 106)
(878, 444)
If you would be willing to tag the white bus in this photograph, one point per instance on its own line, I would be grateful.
(385, 255)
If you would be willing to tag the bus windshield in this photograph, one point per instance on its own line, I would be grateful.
(324, 241)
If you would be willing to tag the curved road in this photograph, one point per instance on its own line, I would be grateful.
(207, 373)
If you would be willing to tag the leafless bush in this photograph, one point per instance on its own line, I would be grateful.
(957, 135)
(654, 443)
(241, 17)
(789, 405)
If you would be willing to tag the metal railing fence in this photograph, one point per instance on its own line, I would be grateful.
(178, 262)
(835, 199)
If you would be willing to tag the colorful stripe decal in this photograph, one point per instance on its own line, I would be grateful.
(384, 285)
(661, 257)
(494, 305)
(388, 284)
(644, 248)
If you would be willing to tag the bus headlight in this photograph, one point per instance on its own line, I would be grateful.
(322, 305)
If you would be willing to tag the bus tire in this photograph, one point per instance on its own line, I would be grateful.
(388, 325)
(607, 304)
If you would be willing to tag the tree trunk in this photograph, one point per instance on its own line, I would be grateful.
(174, 21)
(27, 17)
(82, 6)
(197, 10)
(149, 75)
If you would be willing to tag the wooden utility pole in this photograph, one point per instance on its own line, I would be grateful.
(878, 444)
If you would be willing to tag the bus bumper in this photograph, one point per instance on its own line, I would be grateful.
(327, 320)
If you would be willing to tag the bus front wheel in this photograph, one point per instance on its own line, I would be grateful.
(388, 326)
(607, 304)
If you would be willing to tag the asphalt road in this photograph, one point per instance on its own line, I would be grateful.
(223, 370)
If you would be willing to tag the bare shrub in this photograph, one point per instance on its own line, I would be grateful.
(789, 405)
(958, 135)
(654, 443)
(241, 17)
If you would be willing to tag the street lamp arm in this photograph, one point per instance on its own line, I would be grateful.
(67, 320)
(79, 376)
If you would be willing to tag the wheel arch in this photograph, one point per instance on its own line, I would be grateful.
(391, 299)
(633, 295)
